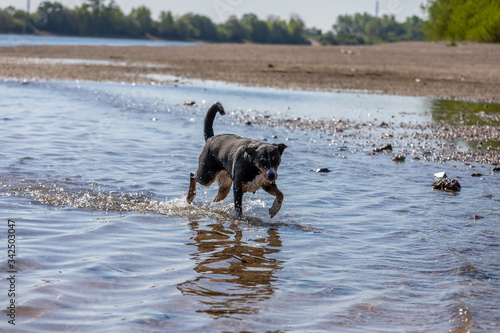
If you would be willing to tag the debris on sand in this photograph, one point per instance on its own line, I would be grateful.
(477, 174)
(446, 184)
(190, 103)
(441, 175)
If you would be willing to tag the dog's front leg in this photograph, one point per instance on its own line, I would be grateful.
(238, 197)
(192, 188)
(273, 190)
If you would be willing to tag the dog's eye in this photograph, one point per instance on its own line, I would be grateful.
(263, 161)
(274, 158)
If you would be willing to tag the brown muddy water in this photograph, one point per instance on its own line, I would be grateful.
(94, 177)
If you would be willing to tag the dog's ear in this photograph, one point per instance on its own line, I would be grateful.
(281, 148)
(251, 152)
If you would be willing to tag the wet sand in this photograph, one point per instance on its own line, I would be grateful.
(467, 71)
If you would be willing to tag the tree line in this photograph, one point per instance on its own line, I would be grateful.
(101, 18)
(367, 29)
(477, 20)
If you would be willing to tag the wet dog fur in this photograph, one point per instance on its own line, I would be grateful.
(245, 164)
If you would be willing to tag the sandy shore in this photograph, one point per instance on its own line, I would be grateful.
(467, 71)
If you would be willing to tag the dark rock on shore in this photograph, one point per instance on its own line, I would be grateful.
(385, 148)
(324, 170)
(446, 184)
(399, 158)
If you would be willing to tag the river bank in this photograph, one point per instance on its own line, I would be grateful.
(467, 71)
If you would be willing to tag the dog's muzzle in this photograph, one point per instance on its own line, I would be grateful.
(271, 175)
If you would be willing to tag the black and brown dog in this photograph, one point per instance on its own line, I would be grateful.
(246, 164)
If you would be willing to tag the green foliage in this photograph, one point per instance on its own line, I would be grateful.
(258, 30)
(471, 20)
(12, 20)
(141, 20)
(367, 29)
(166, 26)
(233, 31)
(202, 27)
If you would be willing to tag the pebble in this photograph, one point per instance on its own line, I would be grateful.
(477, 174)
(190, 103)
(446, 184)
(431, 142)
(399, 158)
(496, 169)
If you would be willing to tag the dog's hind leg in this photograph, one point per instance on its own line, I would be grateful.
(273, 190)
(192, 188)
(225, 183)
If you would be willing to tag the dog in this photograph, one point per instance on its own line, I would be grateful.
(246, 164)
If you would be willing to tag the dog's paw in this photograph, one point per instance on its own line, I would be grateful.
(190, 197)
(275, 208)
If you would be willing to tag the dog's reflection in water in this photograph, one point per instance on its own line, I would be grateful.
(234, 273)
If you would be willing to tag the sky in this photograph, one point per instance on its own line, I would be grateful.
(315, 13)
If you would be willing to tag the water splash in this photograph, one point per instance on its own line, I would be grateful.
(91, 196)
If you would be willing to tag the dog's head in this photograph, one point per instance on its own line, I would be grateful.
(267, 159)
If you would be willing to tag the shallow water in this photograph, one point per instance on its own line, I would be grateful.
(95, 174)
(26, 39)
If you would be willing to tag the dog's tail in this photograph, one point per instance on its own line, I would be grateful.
(208, 131)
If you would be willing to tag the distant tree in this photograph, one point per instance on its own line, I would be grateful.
(328, 39)
(259, 30)
(390, 30)
(166, 27)
(296, 18)
(413, 27)
(351, 29)
(114, 20)
(234, 31)
(296, 30)
(278, 31)
(183, 28)
(141, 19)
(95, 18)
(11, 20)
(201, 27)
